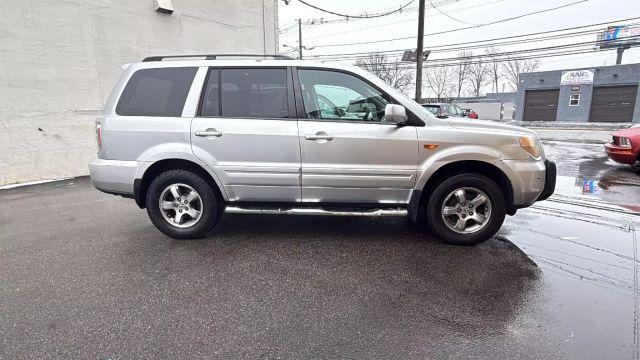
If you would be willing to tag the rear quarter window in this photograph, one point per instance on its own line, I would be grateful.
(156, 92)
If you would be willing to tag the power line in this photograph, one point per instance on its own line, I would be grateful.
(458, 29)
(322, 21)
(490, 42)
(537, 53)
(288, 28)
(448, 48)
(517, 52)
(357, 16)
(397, 22)
(458, 61)
(311, 22)
(449, 16)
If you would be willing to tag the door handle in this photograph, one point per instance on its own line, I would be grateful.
(208, 132)
(318, 136)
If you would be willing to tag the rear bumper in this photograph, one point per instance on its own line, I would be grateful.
(620, 154)
(113, 176)
(549, 180)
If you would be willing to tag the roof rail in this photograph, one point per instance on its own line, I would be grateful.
(216, 56)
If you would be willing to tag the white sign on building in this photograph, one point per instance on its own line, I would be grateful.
(576, 77)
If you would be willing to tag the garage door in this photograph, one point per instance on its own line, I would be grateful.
(613, 103)
(541, 105)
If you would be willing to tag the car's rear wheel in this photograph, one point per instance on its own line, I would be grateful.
(182, 204)
(466, 209)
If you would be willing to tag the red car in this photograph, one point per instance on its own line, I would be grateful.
(625, 146)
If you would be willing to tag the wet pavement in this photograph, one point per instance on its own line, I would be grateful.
(86, 275)
(585, 172)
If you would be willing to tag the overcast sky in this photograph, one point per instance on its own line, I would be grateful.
(466, 13)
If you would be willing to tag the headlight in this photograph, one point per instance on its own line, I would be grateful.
(530, 145)
(624, 142)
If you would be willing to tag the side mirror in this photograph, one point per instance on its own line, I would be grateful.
(395, 114)
(442, 116)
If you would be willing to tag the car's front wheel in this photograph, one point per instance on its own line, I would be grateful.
(182, 204)
(466, 209)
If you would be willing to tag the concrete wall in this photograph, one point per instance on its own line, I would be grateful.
(60, 58)
(628, 74)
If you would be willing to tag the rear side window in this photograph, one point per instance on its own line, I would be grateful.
(254, 93)
(156, 92)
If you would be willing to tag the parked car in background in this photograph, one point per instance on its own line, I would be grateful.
(443, 110)
(470, 113)
(191, 139)
(625, 146)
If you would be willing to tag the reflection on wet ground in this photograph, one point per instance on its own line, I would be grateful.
(585, 171)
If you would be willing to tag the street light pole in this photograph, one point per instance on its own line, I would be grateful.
(419, 51)
(300, 38)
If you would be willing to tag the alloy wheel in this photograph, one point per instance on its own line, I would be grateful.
(466, 210)
(180, 205)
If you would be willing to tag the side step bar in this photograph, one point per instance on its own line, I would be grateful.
(317, 211)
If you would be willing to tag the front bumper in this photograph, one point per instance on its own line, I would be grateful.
(549, 180)
(531, 181)
(620, 154)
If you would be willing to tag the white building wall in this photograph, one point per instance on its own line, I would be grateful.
(485, 110)
(60, 58)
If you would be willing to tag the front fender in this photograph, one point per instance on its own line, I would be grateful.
(429, 165)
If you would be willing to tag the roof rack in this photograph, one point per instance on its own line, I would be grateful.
(216, 56)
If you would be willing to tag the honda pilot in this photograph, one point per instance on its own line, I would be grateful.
(192, 137)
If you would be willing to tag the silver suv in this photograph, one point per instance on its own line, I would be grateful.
(194, 137)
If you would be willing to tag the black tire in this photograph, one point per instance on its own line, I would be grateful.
(443, 189)
(211, 209)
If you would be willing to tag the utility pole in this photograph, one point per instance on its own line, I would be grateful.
(620, 51)
(419, 51)
(300, 38)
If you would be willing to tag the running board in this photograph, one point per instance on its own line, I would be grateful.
(317, 211)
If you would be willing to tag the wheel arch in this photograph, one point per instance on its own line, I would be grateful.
(141, 185)
(489, 170)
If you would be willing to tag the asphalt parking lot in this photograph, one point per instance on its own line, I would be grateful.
(86, 275)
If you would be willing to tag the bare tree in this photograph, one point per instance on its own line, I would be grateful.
(512, 67)
(439, 79)
(478, 75)
(393, 72)
(462, 70)
(495, 66)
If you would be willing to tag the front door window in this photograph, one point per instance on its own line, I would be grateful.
(332, 95)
